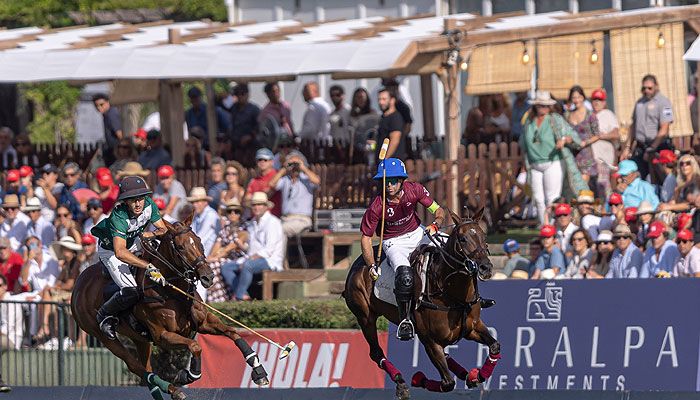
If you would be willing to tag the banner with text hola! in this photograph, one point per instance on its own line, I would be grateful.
(332, 358)
(637, 334)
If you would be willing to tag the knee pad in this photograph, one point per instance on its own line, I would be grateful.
(403, 282)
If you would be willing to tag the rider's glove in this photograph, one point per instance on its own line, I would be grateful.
(432, 229)
(155, 275)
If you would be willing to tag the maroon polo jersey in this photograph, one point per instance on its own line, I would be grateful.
(400, 217)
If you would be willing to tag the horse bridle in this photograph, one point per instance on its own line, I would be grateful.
(189, 273)
(466, 265)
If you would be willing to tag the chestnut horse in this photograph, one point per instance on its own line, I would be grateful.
(450, 308)
(168, 319)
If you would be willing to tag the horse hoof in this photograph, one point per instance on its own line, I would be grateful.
(418, 379)
(473, 378)
(402, 392)
(262, 381)
(178, 395)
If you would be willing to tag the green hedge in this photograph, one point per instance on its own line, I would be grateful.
(302, 314)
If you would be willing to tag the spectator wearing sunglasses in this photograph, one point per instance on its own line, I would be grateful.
(230, 246)
(38, 226)
(15, 225)
(688, 265)
(297, 183)
(626, 261)
(261, 183)
(582, 256)
(662, 255)
(95, 215)
(72, 182)
(66, 224)
(652, 117)
(687, 172)
(600, 265)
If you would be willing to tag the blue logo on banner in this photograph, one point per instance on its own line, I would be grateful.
(598, 335)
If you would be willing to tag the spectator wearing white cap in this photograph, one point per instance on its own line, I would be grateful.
(38, 226)
(206, 223)
(626, 261)
(15, 225)
(603, 253)
(688, 264)
(511, 248)
(589, 221)
(95, 215)
(661, 257)
(297, 183)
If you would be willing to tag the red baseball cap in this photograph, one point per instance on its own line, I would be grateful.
(140, 133)
(665, 157)
(102, 171)
(683, 220)
(88, 239)
(685, 234)
(165, 171)
(615, 199)
(656, 229)
(562, 209)
(105, 180)
(25, 171)
(548, 231)
(599, 94)
(160, 203)
(13, 175)
(630, 214)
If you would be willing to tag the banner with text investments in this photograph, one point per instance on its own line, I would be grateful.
(637, 334)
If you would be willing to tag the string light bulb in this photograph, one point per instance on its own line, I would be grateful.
(525, 58)
(464, 65)
(594, 53)
(660, 40)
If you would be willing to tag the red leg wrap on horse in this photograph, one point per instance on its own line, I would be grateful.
(489, 365)
(418, 379)
(433, 386)
(390, 369)
(456, 369)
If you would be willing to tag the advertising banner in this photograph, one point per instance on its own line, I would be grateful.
(321, 359)
(638, 334)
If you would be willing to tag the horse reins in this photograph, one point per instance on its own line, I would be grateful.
(187, 275)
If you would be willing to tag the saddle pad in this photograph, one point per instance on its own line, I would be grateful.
(384, 286)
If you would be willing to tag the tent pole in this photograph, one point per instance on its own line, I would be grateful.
(452, 96)
(211, 113)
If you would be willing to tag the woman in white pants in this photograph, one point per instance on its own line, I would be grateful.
(544, 136)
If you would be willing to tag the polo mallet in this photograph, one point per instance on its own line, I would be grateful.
(382, 155)
(285, 349)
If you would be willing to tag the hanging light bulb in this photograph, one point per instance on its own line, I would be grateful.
(464, 65)
(525, 58)
(594, 54)
(660, 41)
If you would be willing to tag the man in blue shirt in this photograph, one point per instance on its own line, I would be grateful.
(551, 259)
(635, 190)
(296, 182)
(661, 257)
(626, 261)
(155, 154)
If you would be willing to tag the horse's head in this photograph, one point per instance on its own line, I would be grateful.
(187, 251)
(468, 240)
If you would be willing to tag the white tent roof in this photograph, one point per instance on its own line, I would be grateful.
(209, 50)
(693, 53)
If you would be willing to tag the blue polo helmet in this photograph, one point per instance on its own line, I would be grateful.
(395, 168)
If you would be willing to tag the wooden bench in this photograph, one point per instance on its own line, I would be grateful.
(288, 275)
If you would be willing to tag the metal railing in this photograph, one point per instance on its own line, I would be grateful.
(67, 356)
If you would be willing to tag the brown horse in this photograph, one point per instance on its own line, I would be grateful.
(449, 310)
(169, 319)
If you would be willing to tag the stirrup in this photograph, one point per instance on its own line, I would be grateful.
(108, 326)
(405, 330)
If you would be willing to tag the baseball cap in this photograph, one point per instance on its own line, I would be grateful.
(92, 203)
(656, 229)
(683, 220)
(562, 209)
(615, 199)
(511, 246)
(630, 214)
(599, 94)
(153, 134)
(548, 231)
(604, 236)
(264, 153)
(626, 167)
(13, 175)
(665, 157)
(685, 234)
(47, 168)
(140, 133)
(88, 239)
(25, 171)
(105, 180)
(160, 203)
(165, 171)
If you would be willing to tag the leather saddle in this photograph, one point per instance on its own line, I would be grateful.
(109, 289)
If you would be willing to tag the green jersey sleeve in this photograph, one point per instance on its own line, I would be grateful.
(118, 226)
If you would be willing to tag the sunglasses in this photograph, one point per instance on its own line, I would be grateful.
(233, 211)
(11, 208)
(647, 88)
(263, 159)
(685, 163)
(621, 237)
(93, 208)
(392, 181)
(605, 242)
(683, 241)
(73, 174)
(64, 215)
(3, 247)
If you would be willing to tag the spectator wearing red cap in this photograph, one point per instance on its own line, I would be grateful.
(13, 185)
(139, 139)
(88, 256)
(26, 189)
(551, 259)
(665, 162)
(170, 190)
(608, 132)
(109, 190)
(565, 227)
(661, 257)
(617, 212)
(688, 265)
(626, 260)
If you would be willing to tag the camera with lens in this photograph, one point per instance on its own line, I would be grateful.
(293, 166)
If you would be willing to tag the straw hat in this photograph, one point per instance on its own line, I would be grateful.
(548, 274)
(519, 274)
(33, 204)
(586, 197)
(261, 198)
(645, 208)
(198, 193)
(542, 98)
(133, 168)
(622, 230)
(68, 242)
(10, 201)
(232, 204)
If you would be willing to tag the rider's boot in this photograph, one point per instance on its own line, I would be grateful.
(403, 290)
(107, 314)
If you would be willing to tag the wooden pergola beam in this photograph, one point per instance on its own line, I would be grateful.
(663, 15)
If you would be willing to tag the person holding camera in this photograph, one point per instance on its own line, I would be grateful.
(296, 182)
